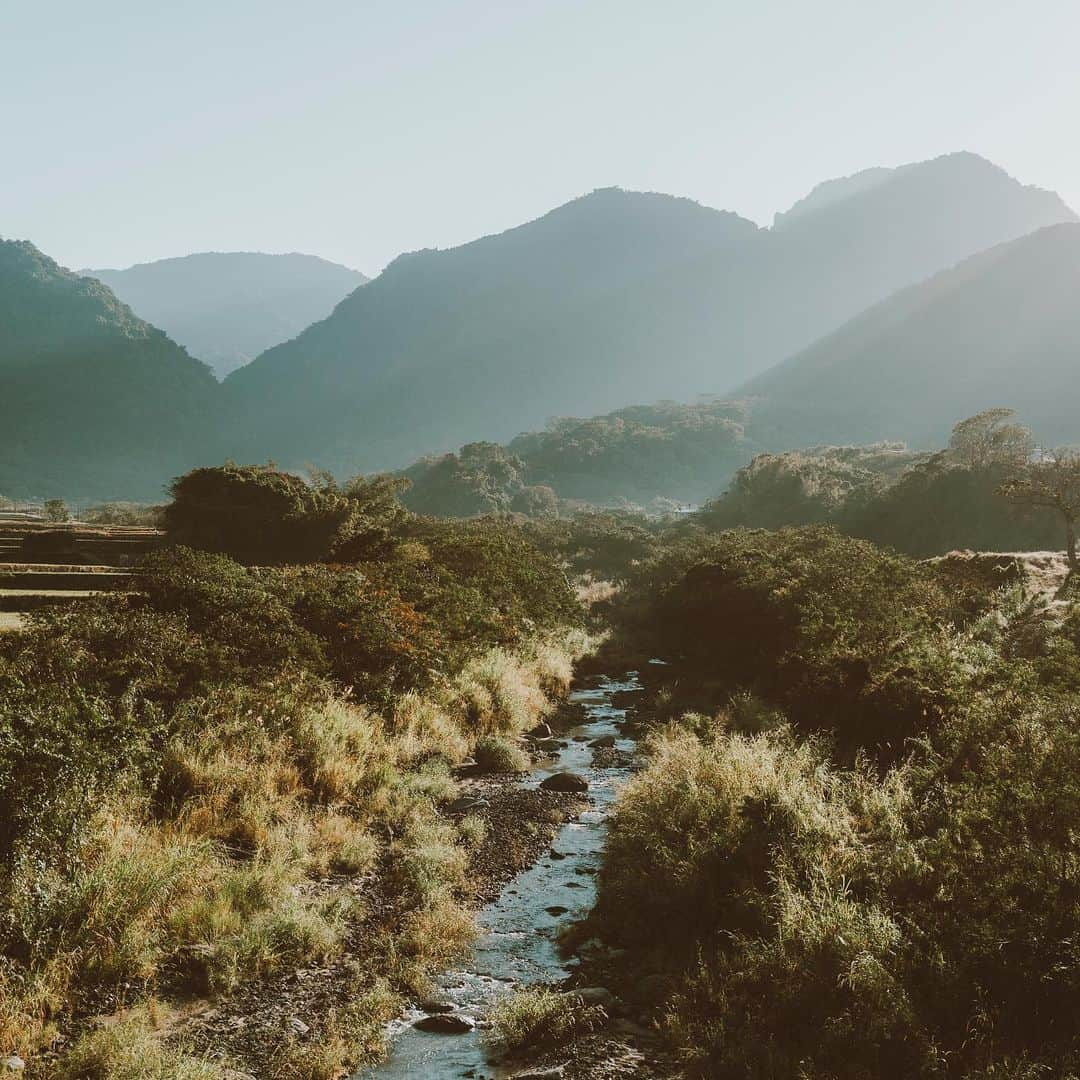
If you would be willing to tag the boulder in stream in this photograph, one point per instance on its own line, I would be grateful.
(445, 1024)
(565, 781)
(602, 742)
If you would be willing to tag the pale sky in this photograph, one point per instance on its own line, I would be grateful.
(357, 129)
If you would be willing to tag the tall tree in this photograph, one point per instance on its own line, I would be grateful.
(1052, 482)
(988, 439)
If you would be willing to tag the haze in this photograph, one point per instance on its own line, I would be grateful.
(356, 131)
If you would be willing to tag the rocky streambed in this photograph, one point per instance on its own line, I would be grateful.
(520, 927)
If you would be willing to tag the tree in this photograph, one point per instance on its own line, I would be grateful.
(986, 439)
(56, 510)
(256, 514)
(1053, 482)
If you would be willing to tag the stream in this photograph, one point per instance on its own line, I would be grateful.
(517, 934)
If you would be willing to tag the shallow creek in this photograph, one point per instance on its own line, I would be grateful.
(517, 940)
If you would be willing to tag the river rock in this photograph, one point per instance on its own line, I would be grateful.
(565, 781)
(556, 910)
(445, 1024)
(558, 856)
(549, 746)
(602, 742)
(465, 804)
(541, 731)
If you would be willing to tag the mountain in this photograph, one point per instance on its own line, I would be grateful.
(1000, 329)
(94, 402)
(483, 340)
(227, 307)
(615, 298)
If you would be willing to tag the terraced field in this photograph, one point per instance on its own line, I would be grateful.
(44, 565)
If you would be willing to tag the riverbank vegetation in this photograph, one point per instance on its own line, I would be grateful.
(240, 767)
(853, 852)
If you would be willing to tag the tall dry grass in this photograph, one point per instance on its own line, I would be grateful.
(202, 882)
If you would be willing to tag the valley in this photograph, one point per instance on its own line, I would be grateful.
(636, 642)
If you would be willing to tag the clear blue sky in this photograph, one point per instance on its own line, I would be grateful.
(353, 129)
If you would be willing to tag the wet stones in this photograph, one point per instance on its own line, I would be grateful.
(445, 1024)
(565, 781)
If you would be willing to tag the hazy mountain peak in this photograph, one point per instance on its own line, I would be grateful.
(829, 192)
(914, 188)
(228, 306)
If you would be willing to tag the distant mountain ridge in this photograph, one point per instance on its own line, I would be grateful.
(1000, 329)
(614, 299)
(93, 400)
(227, 307)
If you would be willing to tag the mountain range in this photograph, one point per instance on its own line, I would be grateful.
(614, 299)
(227, 307)
(886, 304)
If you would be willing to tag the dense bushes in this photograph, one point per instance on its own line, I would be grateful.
(894, 894)
(844, 636)
(921, 504)
(178, 764)
(645, 455)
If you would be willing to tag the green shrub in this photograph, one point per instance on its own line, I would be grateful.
(255, 513)
(534, 1018)
(497, 754)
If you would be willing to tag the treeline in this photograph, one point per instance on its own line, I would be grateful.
(193, 773)
(921, 504)
(651, 457)
(854, 850)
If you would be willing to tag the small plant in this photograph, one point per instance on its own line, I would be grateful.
(536, 1017)
(130, 1049)
(497, 754)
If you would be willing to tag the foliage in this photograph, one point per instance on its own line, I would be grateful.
(56, 510)
(176, 763)
(921, 504)
(1052, 483)
(255, 513)
(808, 487)
(636, 455)
(986, 439)
(536, 1017)
(887, 884)
(482, 478)
(843, 635)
